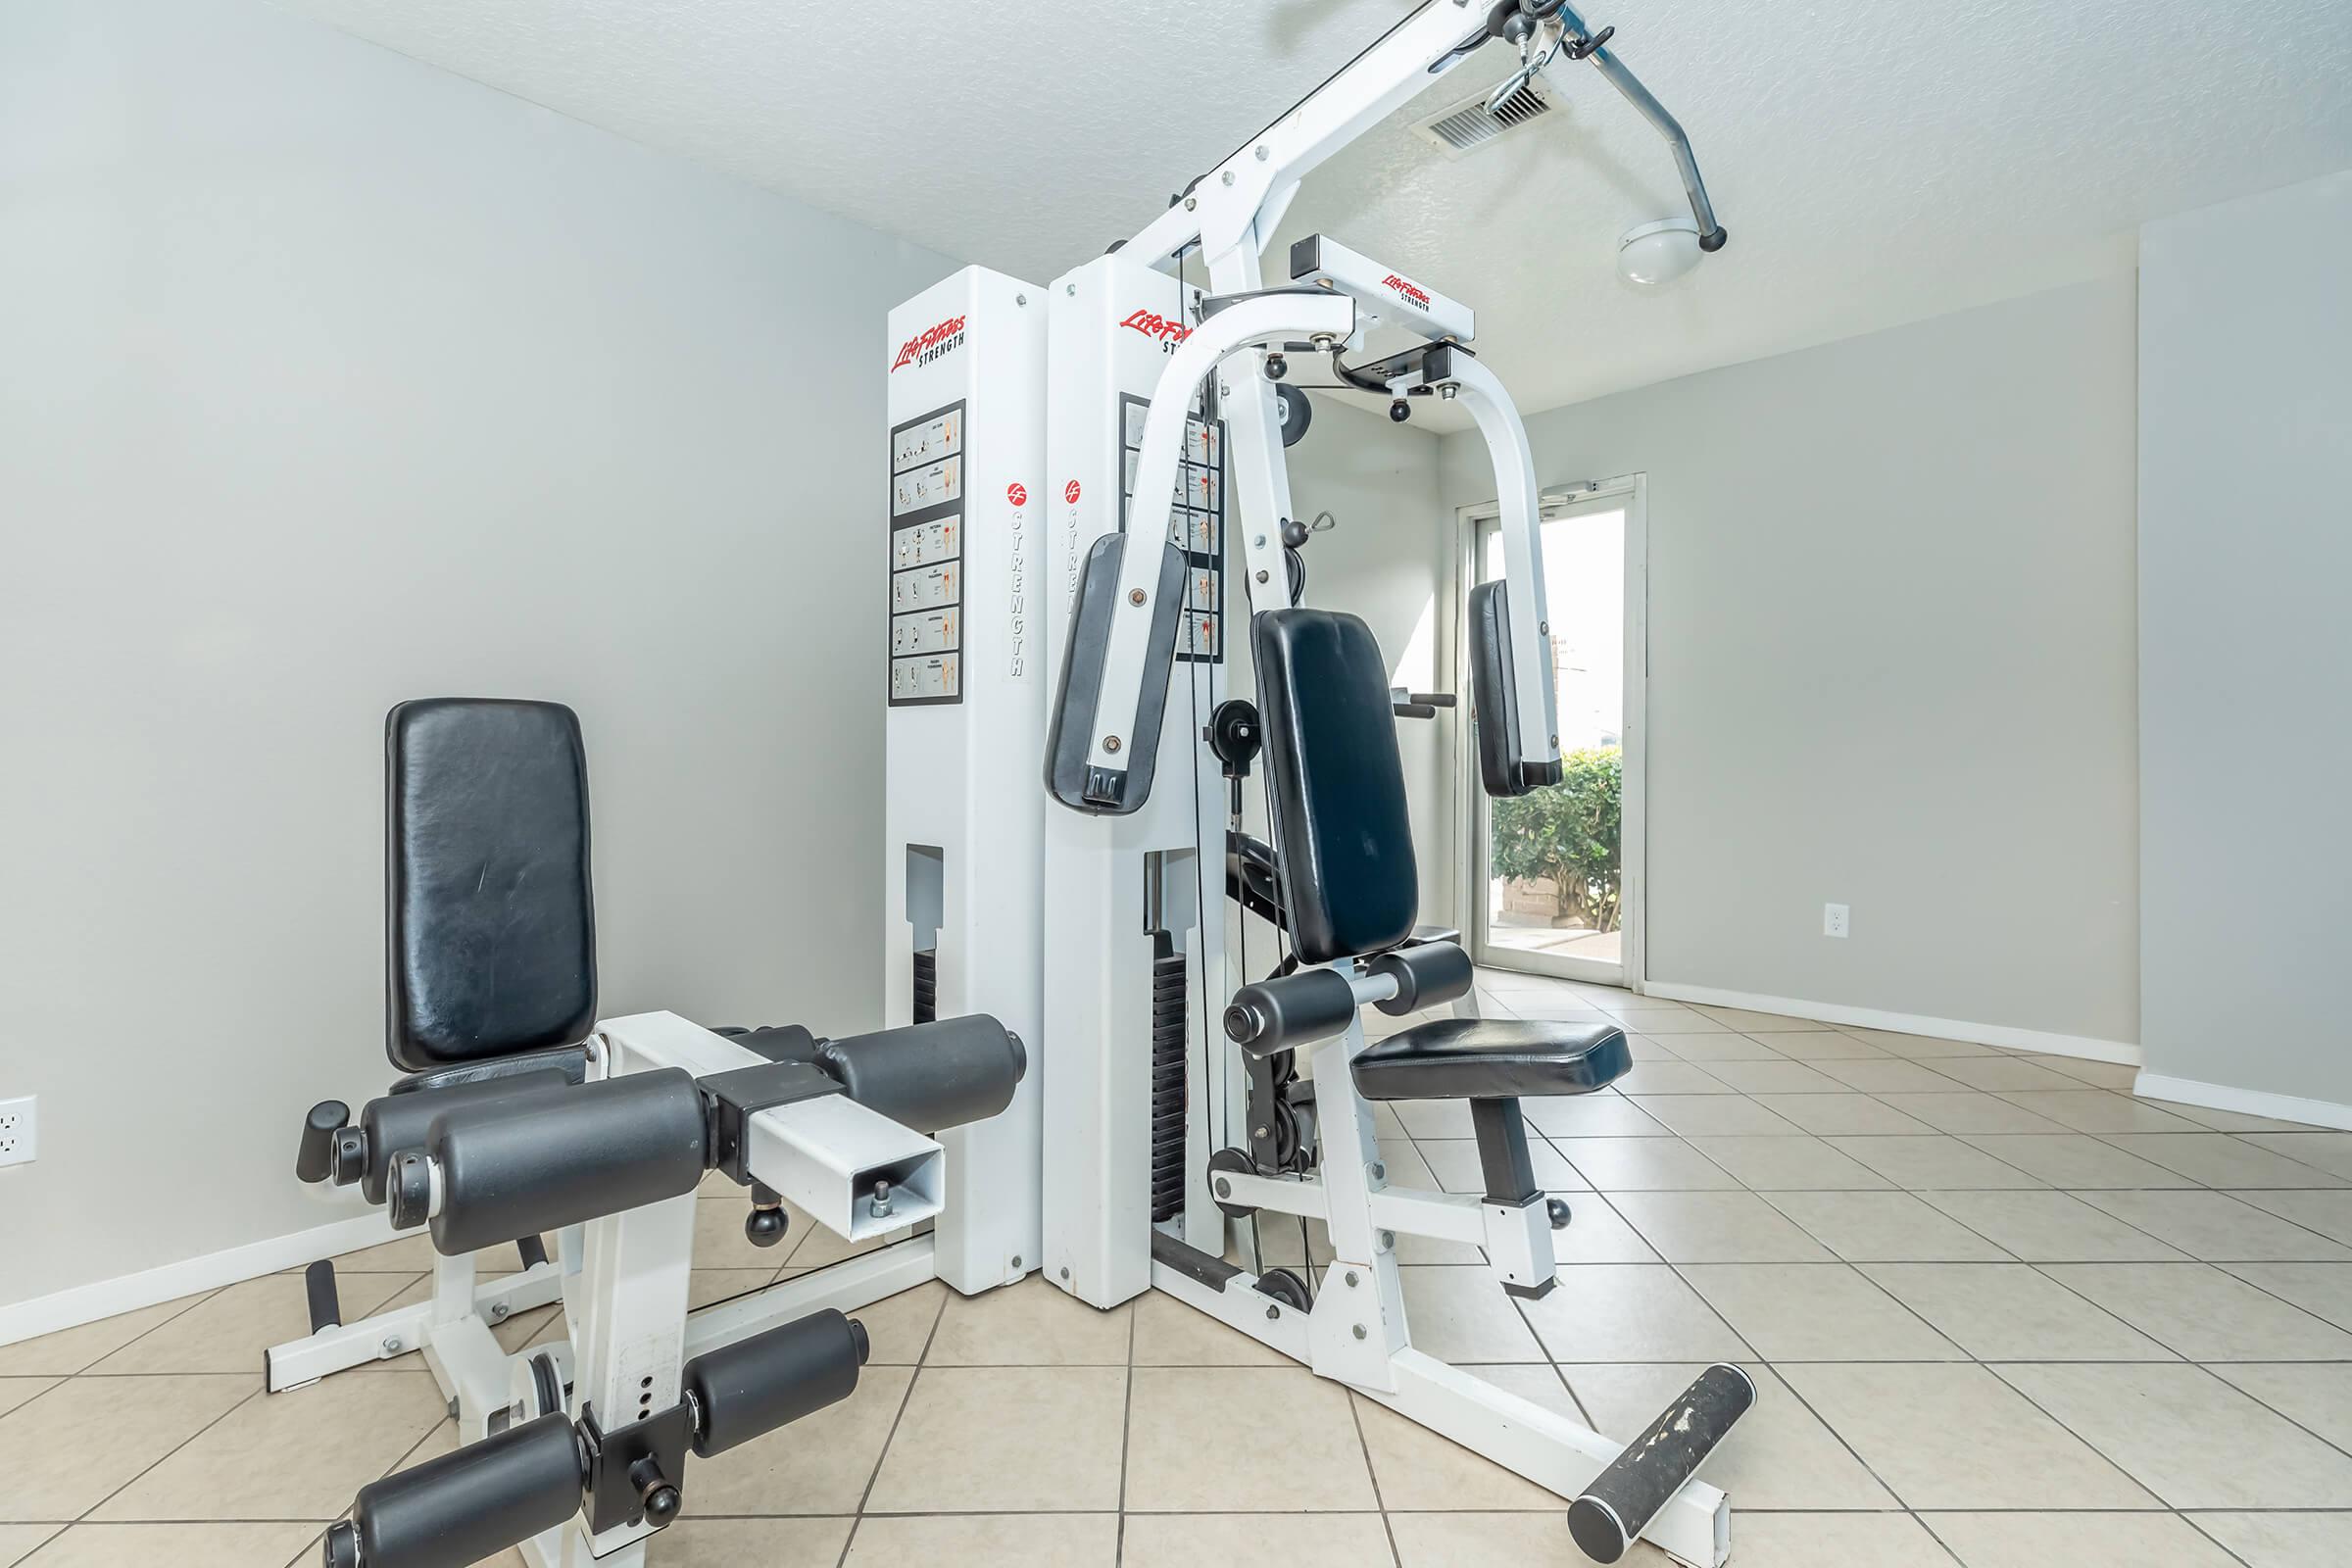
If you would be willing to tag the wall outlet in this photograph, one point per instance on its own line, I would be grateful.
(1834, 917)
(17, 1128)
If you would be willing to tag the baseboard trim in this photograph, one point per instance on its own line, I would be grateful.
(104, 1299)
(2245, 1102)
(2085, 1046)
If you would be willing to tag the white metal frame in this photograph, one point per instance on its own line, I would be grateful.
(1633, 972)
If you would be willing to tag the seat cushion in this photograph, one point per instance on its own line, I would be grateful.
(1492, 1058)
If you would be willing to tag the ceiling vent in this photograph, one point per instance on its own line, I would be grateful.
(1470, 124)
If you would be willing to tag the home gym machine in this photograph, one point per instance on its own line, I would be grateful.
(521, 1117)
(1159, 394)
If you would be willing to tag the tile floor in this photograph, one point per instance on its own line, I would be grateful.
(2003, 1316)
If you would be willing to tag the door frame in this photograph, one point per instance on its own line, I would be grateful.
(1470, 889)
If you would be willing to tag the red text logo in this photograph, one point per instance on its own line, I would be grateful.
(1410, 292)
(1158, 327)
(928, 345)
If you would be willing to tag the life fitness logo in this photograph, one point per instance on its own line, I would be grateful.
(934, 343)
(1158, 327)
(1407, 291)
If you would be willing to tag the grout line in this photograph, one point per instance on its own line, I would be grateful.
(882, 1455)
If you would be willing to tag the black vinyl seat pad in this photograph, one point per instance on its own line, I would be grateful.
(1493, 1058)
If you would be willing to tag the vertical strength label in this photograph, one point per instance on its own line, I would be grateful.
(927, 468)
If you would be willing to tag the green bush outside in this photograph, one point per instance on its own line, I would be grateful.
(1571, 833)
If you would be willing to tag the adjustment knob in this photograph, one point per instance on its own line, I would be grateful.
(1557, 1210)
(315, 1160)
(765, 1227)
(1401, 410)
(656, 1494)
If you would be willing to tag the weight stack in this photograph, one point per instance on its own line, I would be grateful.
(1168, 1042)
(926, 987)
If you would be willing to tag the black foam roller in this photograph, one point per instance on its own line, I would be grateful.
(1612, 1512)
(528, 1167)
(397, 1123)
(753, 1387)
(1426, 975)
(931, 1075)
(471, 1505)
(1278, 1015)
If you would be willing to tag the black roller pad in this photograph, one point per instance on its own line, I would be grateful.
(931, 1075)
(471, 1505)
(1619, 1505)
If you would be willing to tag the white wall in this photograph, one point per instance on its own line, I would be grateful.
(1891, 662)
(2245, 551)
(328, 380)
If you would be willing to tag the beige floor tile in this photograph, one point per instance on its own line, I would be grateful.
(2012, 1312)
(2098, 1074)
(1759, 1023)
(1673, 1023)
(1717, 1228)
(2075, 1540)
(1933, 1164)
(540, 1323)
(70, 1350)
(2324, 1290)
(1957, 1437)
(2205, 1314)
(66, 1450)
(1630, 1312)
(298, 1455)
(1463, 1314)
(1774, 1077)
(2329, 1214)
(985, 1540)
(2005, 1072)
(1816, 1312)
(15, 1391)
(181, 1545)
(1822, 1045)
(1181, 1456)
(1597, 1234)
(1883, 1227)
(1843, 1113)
(1972, 1112)
(1484, 1539)
(1644, 1166)
(18, 1540)
(708, 1287)
(2046, 1227)
(2315, 1397)
(413, 1253)
(2281, 1539)
(2096, 1110)
(693, 1543)
(1601, 1115)
(2217, 1227)
(2219, 1160)
(1803, 1163)
(1435, 1118)
(229, 1330)
(1704, 1048)
(1168, 1333)
(1453, 1162)
(1559, 1009)
(819, 1464)
(1419, 1470)
(1024, 1438)
(1689, 1115)
(2328, 1152)
(1890, 1075)
(1779, 1457)
(2233, 1121)
(1922, 1047)
(1834, 1541)
(1670, 1078)
(2075, 1160)
(1296, 1541)
(1029, 1324)
(2188, 1437)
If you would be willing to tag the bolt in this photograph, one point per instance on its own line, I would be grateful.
(1190, 203)
(1228, 176)
(1069, 288)
(1555, 743)
(1224, 390)
(1387, 1240)
(1016, 1260)
(1261, 576)
(1111, 743)
(1351, 1278)
(1224, 1187)
(499, 1311)
(1066, 1273)
(1358, 1331)
(1020, 299)
(1380, 1172)
(1257, 1132)
(1543, 628)
(1272, 1313)
(1135, 596)
(1262, 146)
(391, 1345)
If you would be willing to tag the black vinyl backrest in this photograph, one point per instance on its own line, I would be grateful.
(490, 920)
(1335, 785)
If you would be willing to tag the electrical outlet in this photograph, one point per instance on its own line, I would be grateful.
(17, 1126)
(1834, 917)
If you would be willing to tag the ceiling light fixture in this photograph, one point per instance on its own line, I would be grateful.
(1658, 252)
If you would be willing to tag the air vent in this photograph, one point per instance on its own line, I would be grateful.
(1469, 125)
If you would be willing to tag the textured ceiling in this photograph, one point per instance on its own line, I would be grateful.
(1876, 161)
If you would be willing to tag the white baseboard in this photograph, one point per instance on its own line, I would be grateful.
(2037, 1041)
(2245, 1102)
(103, 1298)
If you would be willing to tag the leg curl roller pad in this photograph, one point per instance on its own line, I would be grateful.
(464, 1506)
(1622, 1500)
(745, 1389)
(930, 1076)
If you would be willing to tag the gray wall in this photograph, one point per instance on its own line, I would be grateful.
(329, 380)
(2246, 392)
(1891, 662)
